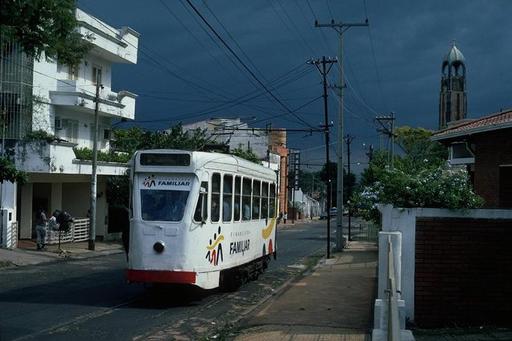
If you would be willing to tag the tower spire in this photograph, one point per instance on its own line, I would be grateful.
(452, 98)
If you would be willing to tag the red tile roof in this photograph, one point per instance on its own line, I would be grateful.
(492, 122)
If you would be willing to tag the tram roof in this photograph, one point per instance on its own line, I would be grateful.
(206, 160)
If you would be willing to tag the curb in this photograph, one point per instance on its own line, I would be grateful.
(55, 257)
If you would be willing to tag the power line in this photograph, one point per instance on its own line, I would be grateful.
(245, 65)
(379, 82)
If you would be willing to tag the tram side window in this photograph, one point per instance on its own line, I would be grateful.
(238, 197)
(215, 203)
(202, 202)
(256, 198)
(246, 199)
(227, 198)
(264, 200)
(272, 210)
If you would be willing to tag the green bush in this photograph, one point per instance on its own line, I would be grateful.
(86, 154)
(8, 172)
(440, 187)
(39, 135)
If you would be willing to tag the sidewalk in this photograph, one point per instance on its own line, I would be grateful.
(26, 253)
(334, 302)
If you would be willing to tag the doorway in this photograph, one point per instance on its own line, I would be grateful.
(40, 200)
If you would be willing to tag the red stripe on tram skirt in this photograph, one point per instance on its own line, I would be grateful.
(159, 276)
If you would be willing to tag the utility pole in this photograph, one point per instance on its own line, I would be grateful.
(4, 121)
(348, 140)
(94, 177)
(340, 28)
(388, 128)
(324, 70)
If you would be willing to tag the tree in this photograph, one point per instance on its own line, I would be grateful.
(311, 183)
(8, 172)
(132, 139)
(349, 181)
(246, 154)
(47, 26)
(420, 178)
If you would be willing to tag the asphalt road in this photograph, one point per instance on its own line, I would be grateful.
(90, 299)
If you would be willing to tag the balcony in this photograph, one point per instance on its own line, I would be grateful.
(115, 45)
(58, 158)
(71, 95)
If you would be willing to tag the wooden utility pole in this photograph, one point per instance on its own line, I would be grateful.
(340, 28)
(94, 177)
(326, 65)
(388, 128)
(348, 140)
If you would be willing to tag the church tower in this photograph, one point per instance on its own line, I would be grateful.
(452, 98)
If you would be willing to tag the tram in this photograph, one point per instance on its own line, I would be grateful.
(200, 218)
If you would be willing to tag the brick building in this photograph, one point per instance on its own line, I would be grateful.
(485, 147)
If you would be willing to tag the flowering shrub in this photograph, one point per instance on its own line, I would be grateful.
(439, 187)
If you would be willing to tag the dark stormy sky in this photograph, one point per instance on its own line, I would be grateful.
(185, 74)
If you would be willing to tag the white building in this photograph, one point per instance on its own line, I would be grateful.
(59, 100)
(235, 133)
(308, 206)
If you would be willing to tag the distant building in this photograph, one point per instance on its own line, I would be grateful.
(484, 146)
(59, 100)
(270, 147)
(308, 208)
(452, 97)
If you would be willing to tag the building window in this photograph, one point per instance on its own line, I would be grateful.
(73, 72)
(69, 130)
(96, 74)
(107, 134)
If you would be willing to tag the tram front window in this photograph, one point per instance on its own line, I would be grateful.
(163, 205)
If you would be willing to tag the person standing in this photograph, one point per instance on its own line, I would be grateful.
(41, 222)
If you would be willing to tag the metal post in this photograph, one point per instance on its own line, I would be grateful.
(94, 178)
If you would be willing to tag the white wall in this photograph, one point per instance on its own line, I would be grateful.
(8, 192)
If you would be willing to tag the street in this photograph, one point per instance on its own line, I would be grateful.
(90, 299)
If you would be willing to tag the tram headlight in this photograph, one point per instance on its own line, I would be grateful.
(159, 247)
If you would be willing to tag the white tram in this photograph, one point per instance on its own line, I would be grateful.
(199, 218)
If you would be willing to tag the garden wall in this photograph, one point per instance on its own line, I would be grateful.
(463, 272)
(455, 266)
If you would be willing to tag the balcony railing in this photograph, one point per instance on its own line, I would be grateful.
(71, 94)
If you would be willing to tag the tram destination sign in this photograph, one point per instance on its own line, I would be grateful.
(162, 159)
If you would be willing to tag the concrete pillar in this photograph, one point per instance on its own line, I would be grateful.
(396, 242)
(25, 225)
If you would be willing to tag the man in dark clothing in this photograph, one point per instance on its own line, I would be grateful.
(41, 223)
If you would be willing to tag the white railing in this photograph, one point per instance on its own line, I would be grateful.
(12, 239)
(393, 317)
(78, 232)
